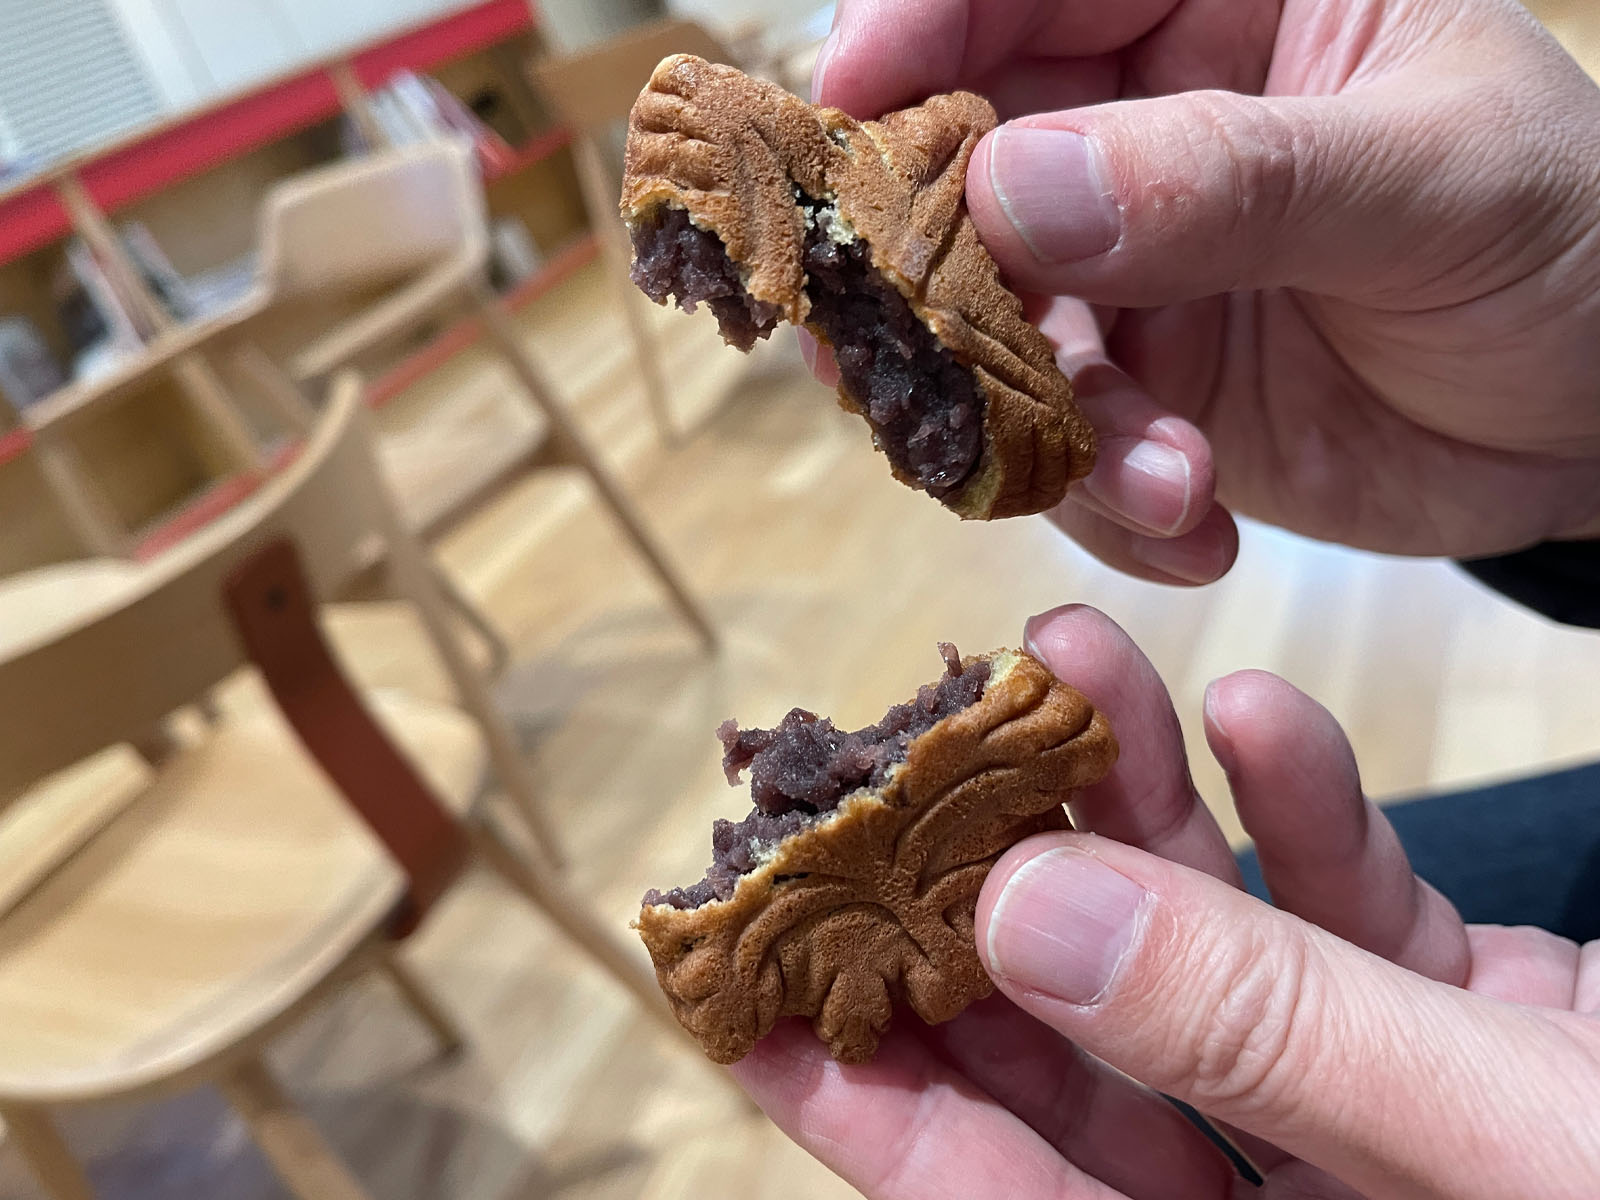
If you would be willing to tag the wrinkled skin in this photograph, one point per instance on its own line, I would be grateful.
(1357, 1039)
(1356, 291)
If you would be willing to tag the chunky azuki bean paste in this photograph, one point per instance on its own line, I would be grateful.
(801, 770)
(672, 256)
(925, 408)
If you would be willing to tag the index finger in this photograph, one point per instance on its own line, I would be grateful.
(885, 54)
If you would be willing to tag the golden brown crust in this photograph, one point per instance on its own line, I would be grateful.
(731, 150)
(875, 906)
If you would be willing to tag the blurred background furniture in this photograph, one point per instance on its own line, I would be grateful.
(408, 226)
(226, 896)
(592, 92)
(147, 225)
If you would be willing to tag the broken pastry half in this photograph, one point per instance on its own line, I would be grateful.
(852, 885)
(767, 209)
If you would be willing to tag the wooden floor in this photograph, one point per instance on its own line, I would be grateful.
(831, 585)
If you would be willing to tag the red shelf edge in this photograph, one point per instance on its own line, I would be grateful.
(14, 443)
(167, 155)
(465, 332)
(210, 505)
(227, 493)
(448, 38)
(536, 149)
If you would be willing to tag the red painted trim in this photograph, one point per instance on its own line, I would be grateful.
(465, 331)
(129, 172)
(210, 505)
(446, 39)
(208, 139)
(535, 149)
(29, 220)
(14, 443)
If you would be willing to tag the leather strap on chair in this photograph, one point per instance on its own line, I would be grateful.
(273, 612)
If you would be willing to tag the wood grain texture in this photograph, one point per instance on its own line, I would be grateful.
(831, 586)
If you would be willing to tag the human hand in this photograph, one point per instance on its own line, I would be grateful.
(1357, 1039)
(1345, 257)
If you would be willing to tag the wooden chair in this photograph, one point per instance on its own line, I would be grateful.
(285, 849)
(411, 225)
(591, 92)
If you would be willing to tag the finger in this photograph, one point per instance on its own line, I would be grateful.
(885, 54)
(1327, 853)
(1296, 1180)
(1116, 1130)
(1023, 87)
(1263, 1020)
(1364, 196)
(904, 1125)
(1148, 799)
(1203, 555)
(818, 358)
(1523, 965)
(1153, 472)
(1586, 996)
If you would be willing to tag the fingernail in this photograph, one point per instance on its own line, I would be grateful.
(1064, 925)
(1192, 559)
(1036, 624)
(1221, 744)
(820, 69)
(1052, 185)
(1149, 485)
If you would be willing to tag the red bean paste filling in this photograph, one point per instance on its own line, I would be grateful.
(925, 408)
(800, 771)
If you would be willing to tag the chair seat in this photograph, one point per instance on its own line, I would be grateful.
(233, 887)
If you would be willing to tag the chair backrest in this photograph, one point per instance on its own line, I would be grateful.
(598, 85)
(112, 674)
(369, 221)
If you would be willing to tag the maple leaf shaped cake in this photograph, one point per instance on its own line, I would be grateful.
(852, 885)
(766, 208)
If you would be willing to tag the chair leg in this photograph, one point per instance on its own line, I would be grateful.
(504, 334)
(547, 893)
(419, 998)
(552, 895)
(599, 194)
(648, 356)
(410, 566)
(42, 1148)
(304, 1162)
(469, 611)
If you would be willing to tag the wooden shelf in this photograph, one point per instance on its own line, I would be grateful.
(31, 214)
(224, 494)
(65, 404)
(535, 150)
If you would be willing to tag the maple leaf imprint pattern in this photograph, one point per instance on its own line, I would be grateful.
(873, 906)
(743, 156)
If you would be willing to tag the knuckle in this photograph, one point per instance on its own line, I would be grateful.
(1233, 168)
(1246, 1040)
(1265, 154)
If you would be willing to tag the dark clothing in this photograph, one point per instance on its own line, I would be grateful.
(1525, 852)
(1519, 853)
(1559, 579)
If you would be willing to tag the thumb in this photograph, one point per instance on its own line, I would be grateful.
(1394, 1083)
(1372, 196)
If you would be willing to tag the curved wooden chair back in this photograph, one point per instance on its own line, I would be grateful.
(369, 221)
(116, 672)
(592, 88)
